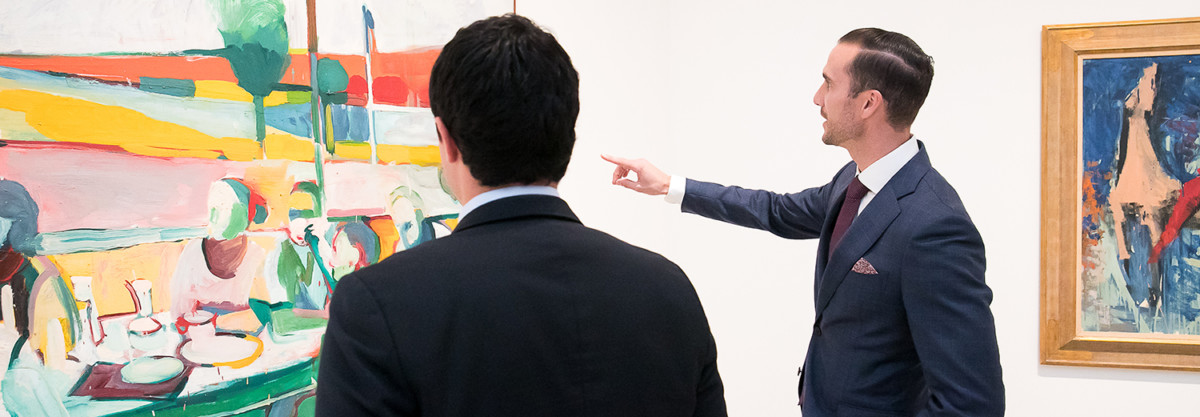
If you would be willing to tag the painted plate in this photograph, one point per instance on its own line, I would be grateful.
(151, 370)
(224, 349)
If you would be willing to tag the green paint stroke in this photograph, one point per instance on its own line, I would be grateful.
(256, 45)
(298, 97)
(168, 86)
(331, 76)
(307, 408)
(241, 395)
(332, 81)
(285, 322)
(290, 269)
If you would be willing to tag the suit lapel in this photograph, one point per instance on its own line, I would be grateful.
(840, 183)
(862, 234)
(867, 228)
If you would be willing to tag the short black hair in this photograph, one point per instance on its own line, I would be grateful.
(894, 65)
(509, 96)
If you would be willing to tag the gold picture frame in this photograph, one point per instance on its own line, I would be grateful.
(1064, 341)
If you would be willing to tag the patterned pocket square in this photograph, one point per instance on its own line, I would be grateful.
(864, 267)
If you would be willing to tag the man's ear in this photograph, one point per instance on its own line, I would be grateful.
(448, 147)
(873, 104)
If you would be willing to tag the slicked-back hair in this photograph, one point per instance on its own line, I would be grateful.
(509, 96)
(895, 66)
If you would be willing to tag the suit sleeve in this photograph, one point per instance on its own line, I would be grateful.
(794, 216)
(710, 392)
(359, 373)
(949, 314)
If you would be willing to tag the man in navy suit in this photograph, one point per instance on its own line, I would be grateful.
(521, 311)
(903, 320)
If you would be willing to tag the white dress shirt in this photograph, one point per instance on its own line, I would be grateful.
(874, 177)
(499, 193)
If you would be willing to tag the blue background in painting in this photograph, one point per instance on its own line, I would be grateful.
(1106, 83)
(1174, 125)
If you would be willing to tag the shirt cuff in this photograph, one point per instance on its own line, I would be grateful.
(677, 190)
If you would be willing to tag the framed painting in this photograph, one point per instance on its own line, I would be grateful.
(1120, 195)
(182, 185)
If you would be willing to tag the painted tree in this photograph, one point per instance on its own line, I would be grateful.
(256, 45)
(332, 81)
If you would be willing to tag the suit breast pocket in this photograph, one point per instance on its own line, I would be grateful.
(871, 293)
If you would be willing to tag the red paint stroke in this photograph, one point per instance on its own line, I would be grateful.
(357, 85)
(412, 67)
(10, 263)
(76, 146)
(103, 380)
(1185, 208)
(391, 90)
(127, 69)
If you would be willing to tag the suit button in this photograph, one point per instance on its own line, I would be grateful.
(816, 329)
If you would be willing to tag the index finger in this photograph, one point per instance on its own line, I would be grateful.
(622, 162)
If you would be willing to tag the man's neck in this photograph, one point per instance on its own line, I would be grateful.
(470, 191)
(870, 148)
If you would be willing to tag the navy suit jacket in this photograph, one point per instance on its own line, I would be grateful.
(521, 311)
(915, 338)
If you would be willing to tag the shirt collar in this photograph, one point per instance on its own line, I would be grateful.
(879, 173)
(516, 190)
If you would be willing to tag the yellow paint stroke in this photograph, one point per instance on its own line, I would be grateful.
(46, 309)
(327, 132)
(241, 363)
(452, 223)
(270, 179)
(225, 90)
(301, 201)
(288, 147)
(73, 120)
(110, 269)
(392, 154)
(244, 321)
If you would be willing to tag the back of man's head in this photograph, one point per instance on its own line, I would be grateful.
(509, 96)
(894, 65)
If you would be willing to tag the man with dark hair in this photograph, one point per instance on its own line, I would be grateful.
(903, 319)
(521, 311)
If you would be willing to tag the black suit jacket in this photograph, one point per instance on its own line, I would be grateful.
(903, 323)
(521, 311)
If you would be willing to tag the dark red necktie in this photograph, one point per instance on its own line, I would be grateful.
(854, 195)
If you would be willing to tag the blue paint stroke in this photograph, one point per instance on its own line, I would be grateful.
(97, 240)
(1174, 123)
(349, 122)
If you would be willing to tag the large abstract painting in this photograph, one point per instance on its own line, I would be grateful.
(1130, 127)
(182, 184)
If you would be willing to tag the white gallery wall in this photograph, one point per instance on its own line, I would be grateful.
(722, 91)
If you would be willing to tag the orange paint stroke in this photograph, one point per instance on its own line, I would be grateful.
(413, 67)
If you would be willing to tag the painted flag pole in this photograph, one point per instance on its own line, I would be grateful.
(368, 40)
(317, 115)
